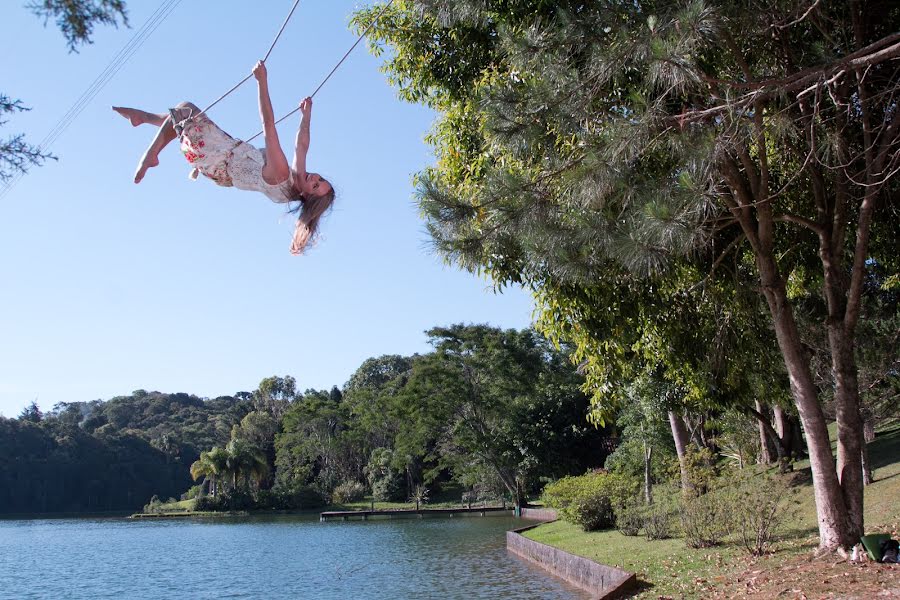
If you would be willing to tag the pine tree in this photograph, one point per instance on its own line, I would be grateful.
(576, 135)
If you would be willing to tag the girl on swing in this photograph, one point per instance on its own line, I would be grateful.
(230, 162)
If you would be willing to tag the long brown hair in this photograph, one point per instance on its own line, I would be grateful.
(311, 209)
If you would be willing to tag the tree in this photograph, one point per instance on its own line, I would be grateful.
(500, 401)
(76, 20)
(212, 465)
(31, 413)
(314, 445)
(370, 396)
(274, 395)
(575, 134)
(245, 461)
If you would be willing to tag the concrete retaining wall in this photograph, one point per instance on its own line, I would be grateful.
(598, 580)
(539, 514)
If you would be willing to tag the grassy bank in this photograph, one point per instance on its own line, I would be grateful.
(447, 498)
(669, 569)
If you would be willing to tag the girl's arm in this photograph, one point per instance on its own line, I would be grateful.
(301, 146)
(276, 169)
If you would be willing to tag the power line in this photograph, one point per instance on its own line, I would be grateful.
(115, 65)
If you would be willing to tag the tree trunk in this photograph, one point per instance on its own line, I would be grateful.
(682, 439)
(850, 443)
(767, 450)
(648, 483)
(835, 529)
(868, 438)
(770, 437)
(785, 429)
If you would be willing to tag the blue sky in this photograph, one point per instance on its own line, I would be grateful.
(182, 286)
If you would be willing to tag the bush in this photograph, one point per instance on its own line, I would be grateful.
(193, 492)
(349, 491)
(659, 521)
(706, 519)
(590, 500)
(231, 500)
(630, 517)
(155, 505)
(764, 503)
(291, 498)
(701, 469)
(592, 511)
(387, 483)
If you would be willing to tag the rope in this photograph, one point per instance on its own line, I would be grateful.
(245, 79)
(340, 62)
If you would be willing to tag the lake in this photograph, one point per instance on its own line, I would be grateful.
(269, 557)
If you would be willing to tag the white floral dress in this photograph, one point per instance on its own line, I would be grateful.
(225, 160)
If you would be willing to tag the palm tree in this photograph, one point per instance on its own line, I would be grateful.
(246, 460)
(211, 465)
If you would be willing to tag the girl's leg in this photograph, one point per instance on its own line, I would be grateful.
(140, 117)
(164, 135)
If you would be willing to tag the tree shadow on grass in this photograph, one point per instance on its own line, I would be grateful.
(640, 586)
(885, 448)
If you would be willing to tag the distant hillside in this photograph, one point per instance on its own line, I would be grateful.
(113, 455)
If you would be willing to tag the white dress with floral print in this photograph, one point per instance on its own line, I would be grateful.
(227, 161)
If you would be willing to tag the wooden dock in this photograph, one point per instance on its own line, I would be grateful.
(364, 515)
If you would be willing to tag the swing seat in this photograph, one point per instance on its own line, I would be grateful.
(872, 544)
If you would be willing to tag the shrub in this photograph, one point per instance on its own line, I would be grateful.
(155, 505)
(590, 500)
(291, 498)
(193, 492)
(349, 491)
(630, 517)
(705, 519)
(419, 495)
(235, 499)
(659, 521)
(764, 503)
(387, 483)
(701, 469)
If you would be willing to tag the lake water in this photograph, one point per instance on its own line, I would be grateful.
(272, 557)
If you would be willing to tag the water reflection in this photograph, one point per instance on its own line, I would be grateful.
(272, 557)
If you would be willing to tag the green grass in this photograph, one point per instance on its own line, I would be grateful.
(448, 497)
(179, 506)
(669, 568)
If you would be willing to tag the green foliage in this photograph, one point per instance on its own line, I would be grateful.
(705, 520)
(496, 400)
(739, 438)
(648, 167)
(763, 504)
(420, 495)
(630, 516)
(297, 498)
(76, 18)
(701, 470)
(31, 413)
(194, 492)
(490, 411)
(590, 500)
(349, 491)
(53, 466)
(659, 520)
(386, 482)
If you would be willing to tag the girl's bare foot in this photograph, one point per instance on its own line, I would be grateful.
(146, 162)
(139, 117)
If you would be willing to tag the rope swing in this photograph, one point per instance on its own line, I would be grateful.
(272, 47)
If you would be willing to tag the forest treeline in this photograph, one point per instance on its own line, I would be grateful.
(496, 413)
(108, 456)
